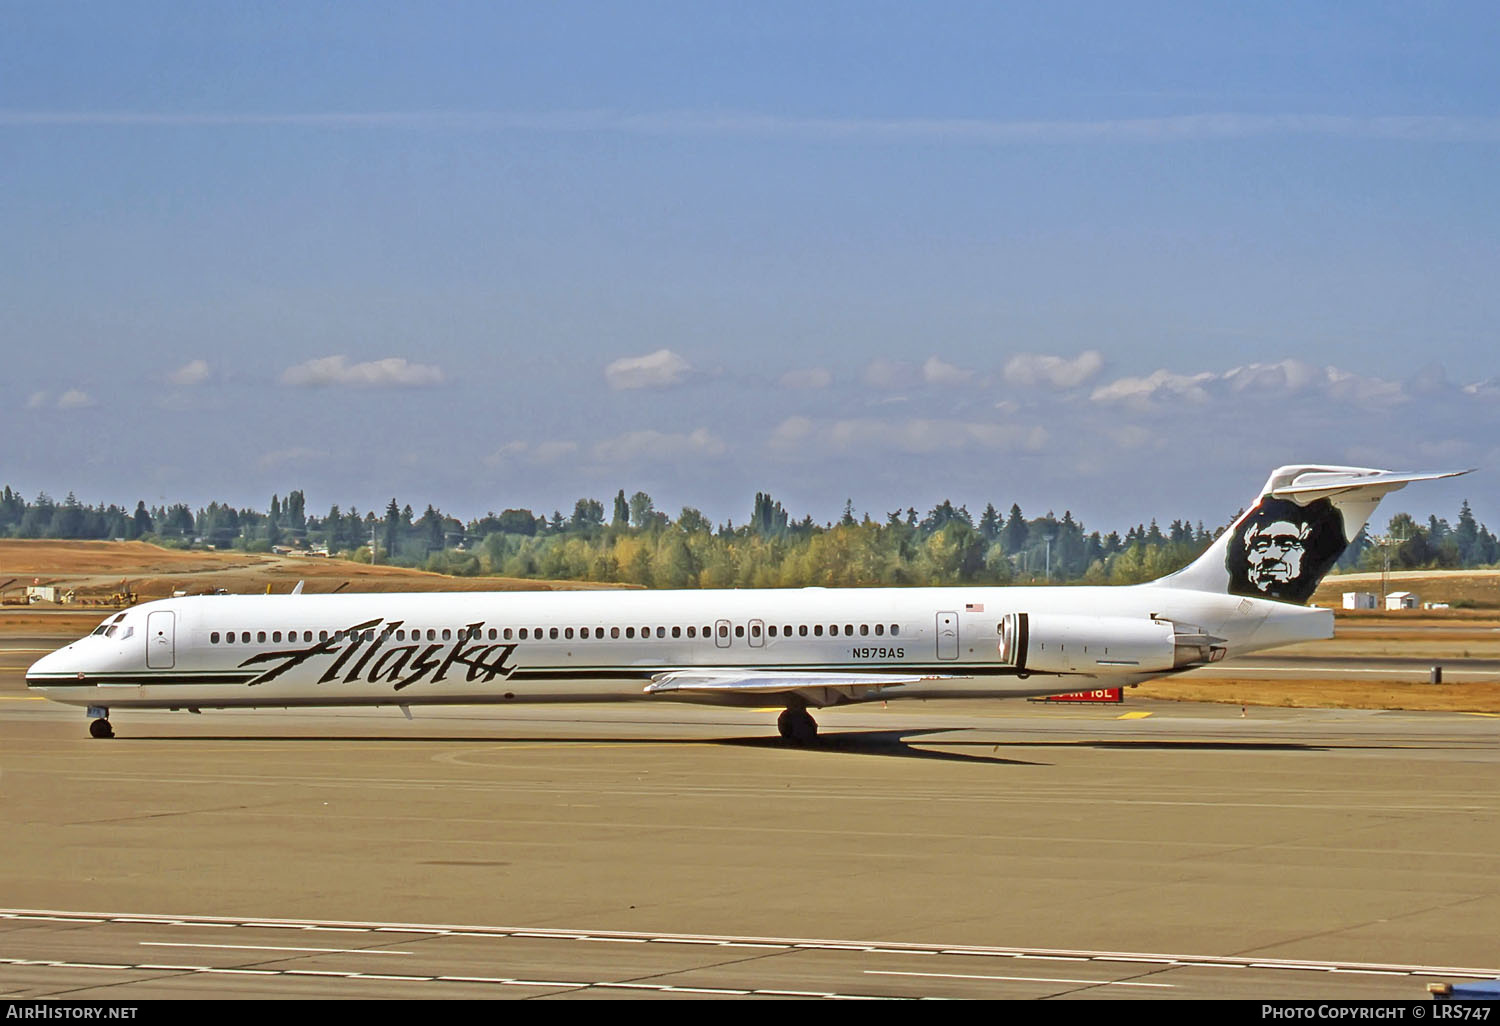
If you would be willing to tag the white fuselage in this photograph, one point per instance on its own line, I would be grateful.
(588, 646)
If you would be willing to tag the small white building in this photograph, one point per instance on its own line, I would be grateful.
(1361, 600)
(1401, 600)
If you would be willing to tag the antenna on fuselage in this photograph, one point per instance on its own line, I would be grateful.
(298, 589)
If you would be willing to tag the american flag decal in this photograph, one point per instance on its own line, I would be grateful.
(973, 607)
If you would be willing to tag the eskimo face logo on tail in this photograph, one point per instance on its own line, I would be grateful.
(1282, 550)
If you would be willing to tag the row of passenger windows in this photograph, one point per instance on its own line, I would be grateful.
(756, 632)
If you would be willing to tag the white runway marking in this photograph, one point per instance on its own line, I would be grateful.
(787, 943)
(272, 947)
(1020, 979)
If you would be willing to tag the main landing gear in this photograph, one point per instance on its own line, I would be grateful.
(99, 725)
(797, 726)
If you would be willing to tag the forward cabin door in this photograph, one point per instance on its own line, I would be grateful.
(947, 635)
(161, 645)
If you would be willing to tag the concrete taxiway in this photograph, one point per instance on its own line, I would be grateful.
(921, 849)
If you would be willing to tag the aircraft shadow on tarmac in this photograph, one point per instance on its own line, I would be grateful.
(888, 743)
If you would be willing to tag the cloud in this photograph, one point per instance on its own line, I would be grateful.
(393, 372)
(536, 454)
(883, 373)
(937, 372)
(72, 399)
(810, 378)
(661, 369)
(791, 432)
(914, 436)
(1264, 381)
(1286, 376)
(194, 372)
(1161, 386)
(652, 446)
(1030, 370)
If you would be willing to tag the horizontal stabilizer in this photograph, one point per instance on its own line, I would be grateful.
(1325, 483)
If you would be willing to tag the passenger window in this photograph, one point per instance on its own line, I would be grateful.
(322, 635)
(630, 632)
(244, 637)
(661, 632)
(568, 634)
(213, 639)
(771, 630)
(692, 632)
(260, 636)
(614, 632)
(818, 629)
(755, 630)
(895, 629)
(879, 629)
(864, 629)
(676, 632)
(739, 630)
(802, 630)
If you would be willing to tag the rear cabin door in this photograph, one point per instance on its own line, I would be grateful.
(161, 646)
(947, 635)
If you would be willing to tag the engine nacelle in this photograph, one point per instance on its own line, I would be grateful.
(1057, 643)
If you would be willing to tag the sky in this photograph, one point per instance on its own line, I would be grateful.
(1117, 259)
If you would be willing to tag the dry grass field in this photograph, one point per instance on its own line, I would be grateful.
(95, 571)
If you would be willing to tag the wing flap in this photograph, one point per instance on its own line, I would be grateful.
(769, 682)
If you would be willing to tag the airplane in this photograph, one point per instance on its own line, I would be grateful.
(802, 649)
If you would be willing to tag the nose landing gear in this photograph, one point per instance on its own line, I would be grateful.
(99, 724)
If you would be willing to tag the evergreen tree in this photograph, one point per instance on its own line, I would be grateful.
(1015, 533)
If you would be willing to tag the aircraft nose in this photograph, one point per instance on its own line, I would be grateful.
(49, 669)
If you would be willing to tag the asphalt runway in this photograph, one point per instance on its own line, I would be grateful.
(1007, 849)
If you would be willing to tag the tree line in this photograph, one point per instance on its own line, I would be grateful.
(636, 543)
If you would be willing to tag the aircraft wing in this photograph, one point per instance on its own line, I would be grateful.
(727, 684)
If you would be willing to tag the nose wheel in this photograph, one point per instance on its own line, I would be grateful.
(797, 726)
(99, 722)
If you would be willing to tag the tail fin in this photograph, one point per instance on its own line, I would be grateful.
(1289, 540)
